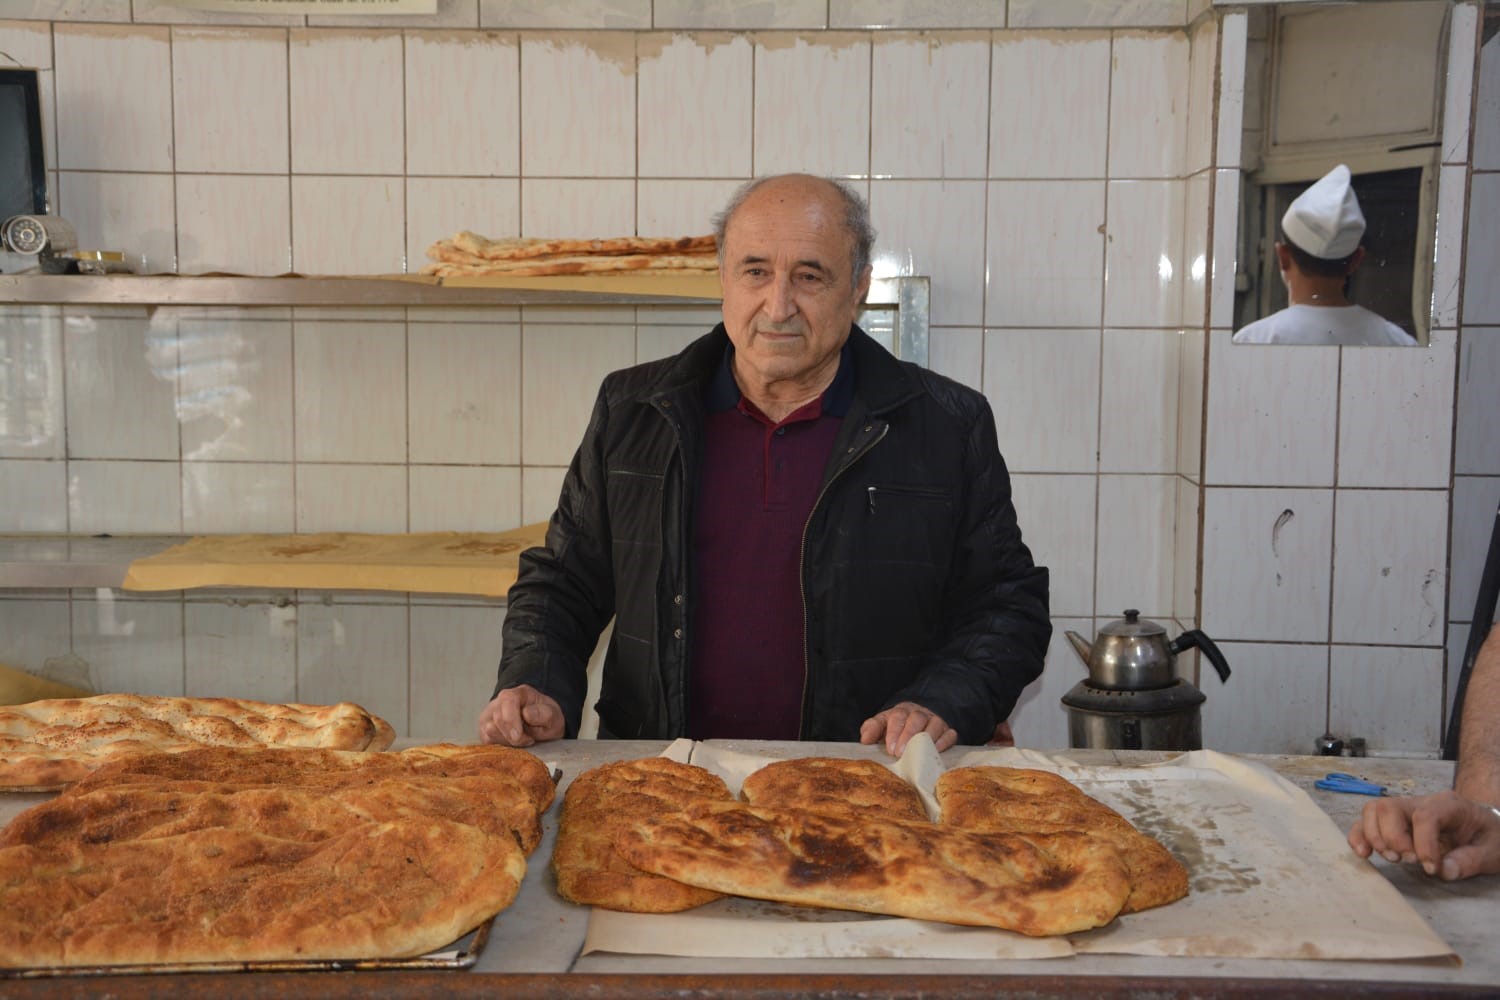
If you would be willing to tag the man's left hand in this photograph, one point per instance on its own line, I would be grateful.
(898, 724)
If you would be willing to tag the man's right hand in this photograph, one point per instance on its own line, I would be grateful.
(521, 716)
(1453, 837)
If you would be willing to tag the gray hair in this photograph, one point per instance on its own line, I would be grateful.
(856, 221)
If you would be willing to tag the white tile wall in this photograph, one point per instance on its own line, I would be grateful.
(33, 632)
(439, 207)
(922, 227)
(235, 651)
(1395, 415)
(131, 213)
(237, 497)
(348, 225)
(1276, 699)
(1487, 108)
(36, 495)
(1389, 580)
(565, 13)
(1481, 302)
(1143, 257)
(957, 352)
(120, 384)
(738, 14)
(577, 208)
(678, 207)
(695, 98)
(465, 385)
(1135, 569)
(1198, 135)
(31, 368)
(1478, 407)
(1054, 221)
(130, 645)
(114, 97)
(330, 73)
(350, 392)
(1043, 387)
(355, 653)
(1365, 681)
(793, 133)
(564, 365)
(455, 655)
(234, 388)
(351, 497)
(932, 96)
(1058, 516)
(465, 498)
(1100, 13)
(915, 14)
(1476, 505)
(1037, 81)
(1138, 395)
(229, 100)
(236, 224)
(124, 498)
(1040, 721)
(578, 105)
(1148, 105)
(463, 107)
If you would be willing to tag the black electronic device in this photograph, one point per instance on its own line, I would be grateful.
(23, 171)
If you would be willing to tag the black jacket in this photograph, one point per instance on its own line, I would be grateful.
(916, 584)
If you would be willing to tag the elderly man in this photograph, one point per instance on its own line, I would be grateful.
(1452, 834)
(1319, 249)
(798, 536)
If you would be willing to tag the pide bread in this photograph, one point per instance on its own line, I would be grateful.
(45, 745)
(603, 801)
(1029, 801)
(833, 784)
(241, 854)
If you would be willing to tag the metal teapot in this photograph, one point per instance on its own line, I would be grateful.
(1133, 699)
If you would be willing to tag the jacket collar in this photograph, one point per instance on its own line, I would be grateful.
(881, 381)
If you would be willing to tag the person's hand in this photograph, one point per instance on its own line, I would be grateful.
(898, 724)
(1451, 836)
(519, 717)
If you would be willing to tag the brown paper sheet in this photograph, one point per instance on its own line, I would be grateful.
(1264, 863)
(443, 562)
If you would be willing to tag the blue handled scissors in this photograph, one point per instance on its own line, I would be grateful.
(1338, 781)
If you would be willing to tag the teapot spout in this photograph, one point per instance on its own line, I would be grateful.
(1081, 646)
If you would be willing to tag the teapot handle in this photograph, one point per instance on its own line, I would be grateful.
(1194, 637)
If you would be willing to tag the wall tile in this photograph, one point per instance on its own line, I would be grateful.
(1487, 108)
(1396, 415)
(578, 106)
(33, 632)
(1482, 263)
(1040, 721)
(31, 368)
(237, 497)
(1198, 129)
(1448, 259)
(1139, 396)
(1476, 506)
(794, 133)
(1135, 569)
(1185, 553)
(455, 656)
(1192, 274)
(1190, 361)
(613, 14)
(1458, 89)
(36, 495)
(1143, 256)
(916, 14)
(234, 395)
(166, 12)
(1271, 413)
(1226, 208)
(1042, 386)
(1036, 81)
(75, 10)
(957, 352)
(1267, 556)
(465, 390)
(736, 14)
(124, 498)
(348, 225)
(1030, 226)
(102, 123)
(929, 95)
(350, 392)
(465, 498)
(355, 653)
(1232, 112)
(1390, 696)
(1276, 700)
(234, 224)
(133, 647)
(1478, 404)
(680, 207)
(1389, 566)
(133, 213)
(351, 497)
(229, 100)
(695, 96)
(927, 227)
(332, 72)
(439, 207)
(1058, 516)
(241, 652)
(1096, 13)
(121, 390)
(1147, 111)
(449, 14)
(655, 342)
(540, 488)
(561, 368)
(463, 104)
(1457, 646)
(577, 208)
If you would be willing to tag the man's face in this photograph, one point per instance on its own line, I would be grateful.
(789, 298)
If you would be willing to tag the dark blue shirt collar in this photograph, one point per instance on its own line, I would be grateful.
(723, 392)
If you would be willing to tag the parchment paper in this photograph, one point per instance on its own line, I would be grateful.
(1270, 876)
(439, 562)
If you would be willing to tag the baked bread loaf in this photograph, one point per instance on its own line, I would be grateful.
(44, 745)
(834, 784)
(605, 800)
(1028, 801)
(1037, 885)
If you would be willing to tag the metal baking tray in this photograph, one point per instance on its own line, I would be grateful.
(461, 954)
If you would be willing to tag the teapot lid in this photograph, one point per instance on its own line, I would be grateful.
(1133, 626)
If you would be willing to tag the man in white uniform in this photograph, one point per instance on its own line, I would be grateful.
(1318, 252)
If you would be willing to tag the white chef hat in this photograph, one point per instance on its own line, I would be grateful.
(1325, 220)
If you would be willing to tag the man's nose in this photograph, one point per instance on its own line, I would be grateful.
(781, 305)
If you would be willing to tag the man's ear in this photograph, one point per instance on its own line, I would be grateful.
(1283, 256)
(1355, 259)
(863, 289)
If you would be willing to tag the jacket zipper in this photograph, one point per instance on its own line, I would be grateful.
(802, 564)
(666, 409)
(902, 491)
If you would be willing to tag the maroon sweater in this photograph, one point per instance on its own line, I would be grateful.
(758, 484)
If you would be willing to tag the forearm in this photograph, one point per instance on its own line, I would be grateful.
(1478, 774)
